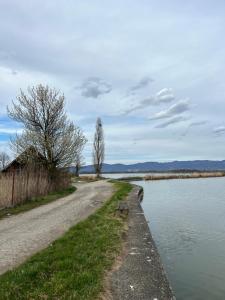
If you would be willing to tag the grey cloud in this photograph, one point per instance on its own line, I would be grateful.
(165, 95)
(172, 121)
(198, 123)
(6, 55)
(86, 41)
(175, 109)
(144, 103)
(93, 87)
(193, 124)
(219, 130)
(141, 84)
(13, 72)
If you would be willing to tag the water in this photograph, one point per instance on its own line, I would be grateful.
(187, 221)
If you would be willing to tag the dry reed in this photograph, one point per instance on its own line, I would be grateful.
(185, 176)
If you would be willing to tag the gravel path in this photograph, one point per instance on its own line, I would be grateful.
(27, 233)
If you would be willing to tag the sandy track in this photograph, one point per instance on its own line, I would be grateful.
(27, 233)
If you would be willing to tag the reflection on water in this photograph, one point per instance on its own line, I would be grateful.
(187, 221)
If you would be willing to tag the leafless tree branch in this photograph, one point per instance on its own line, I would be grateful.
(46, 126)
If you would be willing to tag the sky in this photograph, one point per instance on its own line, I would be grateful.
(152, 70)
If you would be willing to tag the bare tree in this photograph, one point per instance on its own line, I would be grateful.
(46, 126)
(4, 160)
(79, 159)
(99, 148)
(79, 163)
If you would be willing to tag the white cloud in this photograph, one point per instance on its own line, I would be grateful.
(165, 95)
(9, 130)
(175, 109)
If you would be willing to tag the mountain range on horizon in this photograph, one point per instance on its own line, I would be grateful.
(194, 165)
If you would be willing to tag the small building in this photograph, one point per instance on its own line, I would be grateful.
(29, 157)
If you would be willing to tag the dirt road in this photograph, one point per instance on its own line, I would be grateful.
(27, 233)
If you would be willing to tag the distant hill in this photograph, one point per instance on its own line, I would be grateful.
(196, 165)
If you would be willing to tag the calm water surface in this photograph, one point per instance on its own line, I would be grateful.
(187, 221)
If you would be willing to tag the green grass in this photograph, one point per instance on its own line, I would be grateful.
(73, 267)
(34, 202)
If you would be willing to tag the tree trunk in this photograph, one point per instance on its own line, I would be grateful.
(77, 171)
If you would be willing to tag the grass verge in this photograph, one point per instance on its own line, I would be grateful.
(73, 267)
(36, 201)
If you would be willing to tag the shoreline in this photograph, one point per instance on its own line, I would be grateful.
(141, 274)
(194, 175)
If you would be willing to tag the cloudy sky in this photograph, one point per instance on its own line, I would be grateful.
(152, 70)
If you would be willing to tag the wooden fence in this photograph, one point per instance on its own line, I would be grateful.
(17, 187)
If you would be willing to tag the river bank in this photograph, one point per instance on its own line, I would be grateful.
(139, 273)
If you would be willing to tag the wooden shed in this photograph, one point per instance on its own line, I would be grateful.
(29, 157)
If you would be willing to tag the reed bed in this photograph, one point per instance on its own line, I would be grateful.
(20, 186)
(185, 176)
